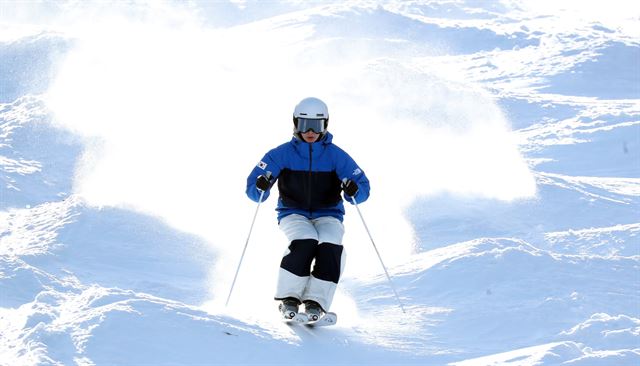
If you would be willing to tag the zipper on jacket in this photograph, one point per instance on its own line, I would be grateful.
(310, 180)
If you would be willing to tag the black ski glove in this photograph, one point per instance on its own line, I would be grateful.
(263, 183)
(350, 187)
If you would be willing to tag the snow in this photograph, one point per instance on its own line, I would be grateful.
(502, 140)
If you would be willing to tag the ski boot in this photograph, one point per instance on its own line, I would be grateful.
(313, 310)
(289, 307)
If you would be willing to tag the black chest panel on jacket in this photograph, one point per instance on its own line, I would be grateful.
(309, 190)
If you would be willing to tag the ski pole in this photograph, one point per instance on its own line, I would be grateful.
(245, 248)
(378, 253)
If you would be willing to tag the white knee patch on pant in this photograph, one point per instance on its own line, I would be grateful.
(324, 229)
(330, 230)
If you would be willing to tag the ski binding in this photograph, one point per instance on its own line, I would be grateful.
(324, 321)
(293, 317)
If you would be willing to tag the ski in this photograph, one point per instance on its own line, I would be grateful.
(290, 314)
(326, 320)
(298, 318)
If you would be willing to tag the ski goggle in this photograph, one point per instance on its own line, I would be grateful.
(310, 124)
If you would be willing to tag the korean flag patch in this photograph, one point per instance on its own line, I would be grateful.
(262, 165)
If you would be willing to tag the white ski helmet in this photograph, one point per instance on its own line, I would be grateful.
(311, 114)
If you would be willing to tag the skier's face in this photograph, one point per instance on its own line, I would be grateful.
(310, 136)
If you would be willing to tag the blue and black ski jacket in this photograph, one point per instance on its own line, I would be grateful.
(309, 177)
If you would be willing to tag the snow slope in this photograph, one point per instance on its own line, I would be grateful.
(505, 198)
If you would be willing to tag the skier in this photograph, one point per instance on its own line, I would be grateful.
(311, 172)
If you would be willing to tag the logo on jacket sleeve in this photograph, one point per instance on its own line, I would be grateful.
(262, 165)
(357, 171)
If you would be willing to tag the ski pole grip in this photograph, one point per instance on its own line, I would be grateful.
(344, 183)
